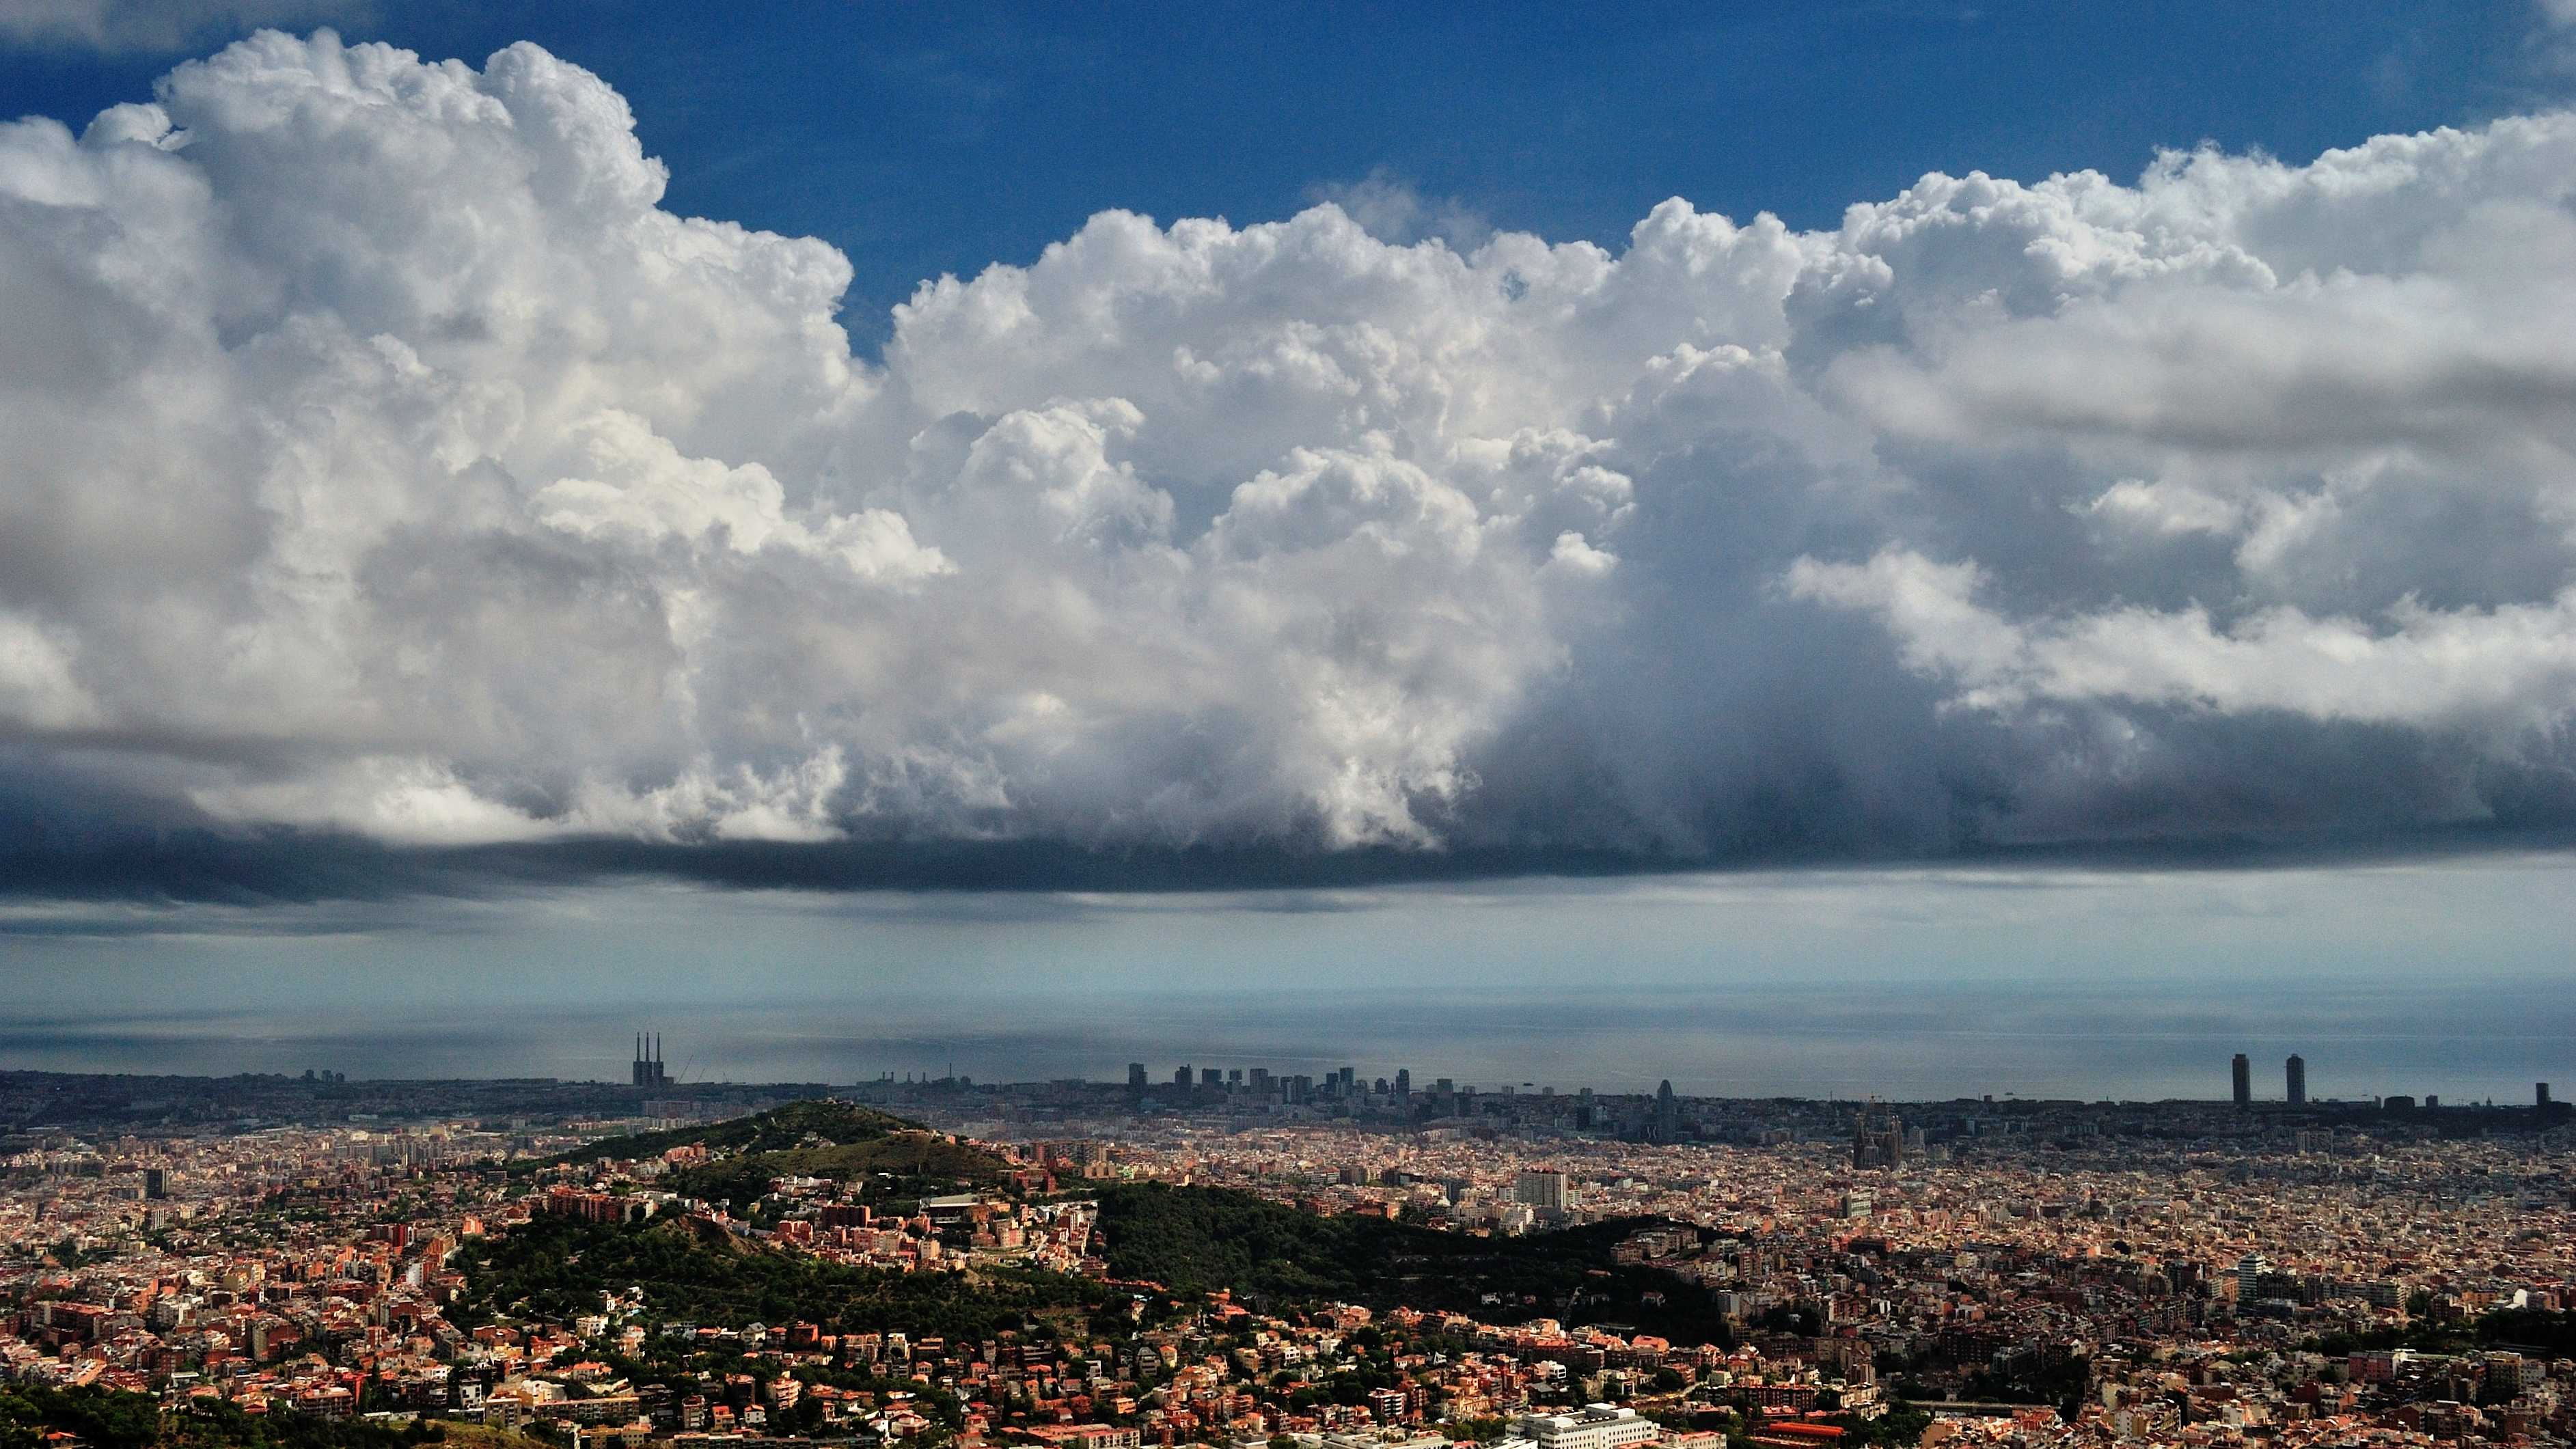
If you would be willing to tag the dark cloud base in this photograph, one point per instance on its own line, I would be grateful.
(2267, 791)
(197, 868)
(1793, 769)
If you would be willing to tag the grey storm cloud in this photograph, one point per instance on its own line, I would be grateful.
(383, 473)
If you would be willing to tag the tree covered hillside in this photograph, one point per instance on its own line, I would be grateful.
(896, 1168)
(108, 1419)
(693, 1272)
(898, 1160)
(779, 1129)
(1188, 1238)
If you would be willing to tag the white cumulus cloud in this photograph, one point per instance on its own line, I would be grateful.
(379, 455)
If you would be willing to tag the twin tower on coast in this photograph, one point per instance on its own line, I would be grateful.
(2298, 1080)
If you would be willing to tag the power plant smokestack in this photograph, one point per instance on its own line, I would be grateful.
(648, 1070)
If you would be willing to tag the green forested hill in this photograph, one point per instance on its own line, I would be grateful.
(106, 1419)
(913, 1164)
(777, 1130)
(820, 1138)
(1184, 1238)
(1194, 1238)
(557, 1267)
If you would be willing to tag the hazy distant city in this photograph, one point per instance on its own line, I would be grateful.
(2460, 1037)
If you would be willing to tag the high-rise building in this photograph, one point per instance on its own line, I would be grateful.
(2242, 1069)
(1181, 1077)
(2249, 1273)
(2540, 1095)
(1211, 1076)
(1543, 1188)
(1404, 1081)
(1136, 1076)
(156, 1182)
(2298, 1068)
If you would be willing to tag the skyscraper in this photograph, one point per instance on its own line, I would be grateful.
(2243, 1070)
(2298, 1080)
(1136, 1077)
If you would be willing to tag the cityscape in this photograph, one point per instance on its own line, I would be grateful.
(822, 724)
(1224, 1255)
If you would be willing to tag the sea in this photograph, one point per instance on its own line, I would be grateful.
(2442, 979)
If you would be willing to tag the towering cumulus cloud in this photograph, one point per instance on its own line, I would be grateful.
(379, 459)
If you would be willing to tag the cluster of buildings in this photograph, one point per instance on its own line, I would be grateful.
(2294, 1093)
(292, 1269)
(1255, 1096)
(2023, 1273)
(827, 1219)
(1342, 1094)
